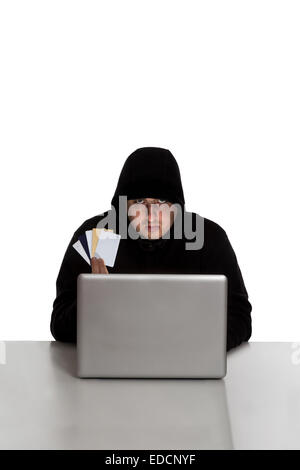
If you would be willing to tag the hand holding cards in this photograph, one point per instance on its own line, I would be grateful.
(99, 243)
(98, 266)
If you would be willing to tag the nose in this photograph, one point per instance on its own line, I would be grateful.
(153, 210)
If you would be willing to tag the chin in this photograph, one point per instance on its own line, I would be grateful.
(154, 237)
(151, 236)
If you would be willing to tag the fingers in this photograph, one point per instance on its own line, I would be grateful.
(98, 266)
(105, 268)
(94, 263)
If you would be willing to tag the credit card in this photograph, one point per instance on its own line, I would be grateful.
(79, 248)
(107, 247)
(84, 243)
(95, 238)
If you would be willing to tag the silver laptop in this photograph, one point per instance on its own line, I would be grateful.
(152, 325)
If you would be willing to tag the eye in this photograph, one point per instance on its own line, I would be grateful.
(139, 201)
(161, 201)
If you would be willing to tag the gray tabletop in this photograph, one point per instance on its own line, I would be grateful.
(43, 405)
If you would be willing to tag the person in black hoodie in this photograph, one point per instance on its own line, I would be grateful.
(152, 173)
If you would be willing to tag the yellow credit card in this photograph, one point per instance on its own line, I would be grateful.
(95, 238)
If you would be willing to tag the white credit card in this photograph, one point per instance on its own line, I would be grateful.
(107, 247)
(79, 248)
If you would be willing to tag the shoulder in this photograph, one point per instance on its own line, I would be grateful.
(212, 233)
(216, 240)
(213, 229)
(202, 234)
(93, 222)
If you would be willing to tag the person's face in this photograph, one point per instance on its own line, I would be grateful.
(151, 217)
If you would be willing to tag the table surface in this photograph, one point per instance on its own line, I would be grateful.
(43, 405)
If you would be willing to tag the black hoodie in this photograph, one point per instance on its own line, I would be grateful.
(153, 172)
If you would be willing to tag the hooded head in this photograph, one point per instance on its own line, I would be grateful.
(150, 172)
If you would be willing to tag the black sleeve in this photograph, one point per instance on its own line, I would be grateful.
(239, 322)
(63, 325)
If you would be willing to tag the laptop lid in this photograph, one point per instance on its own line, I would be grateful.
(152, 325)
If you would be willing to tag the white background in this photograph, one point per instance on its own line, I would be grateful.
(85, 83)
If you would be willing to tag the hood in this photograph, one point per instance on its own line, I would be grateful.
(150, 172)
